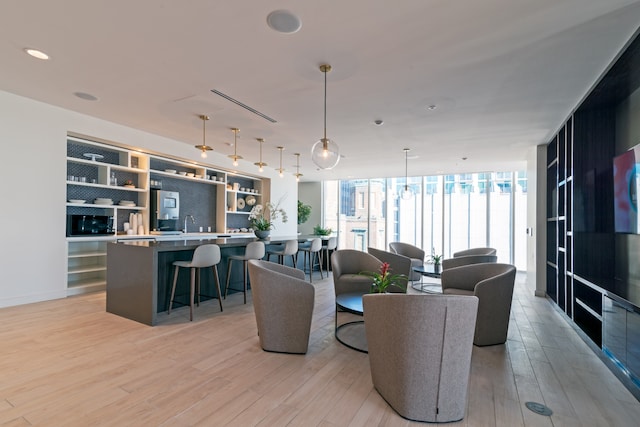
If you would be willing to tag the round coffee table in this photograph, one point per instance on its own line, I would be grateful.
(427, 270)
(351, 334)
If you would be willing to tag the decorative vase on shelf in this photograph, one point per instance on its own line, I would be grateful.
(262, 234)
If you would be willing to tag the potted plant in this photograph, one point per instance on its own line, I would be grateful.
(319, 231)
(303, 212)
(128, 183)
(436, 261)
(383, 279)
(262, 218)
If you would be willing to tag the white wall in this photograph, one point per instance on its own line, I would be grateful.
(33, 171)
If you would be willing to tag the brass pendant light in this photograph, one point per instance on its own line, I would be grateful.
(260, 164)
(204, 147)
(325, 153)
(280, 169)
(297, 174)
(235, 156)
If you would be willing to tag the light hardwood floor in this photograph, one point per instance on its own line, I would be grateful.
(69, 363)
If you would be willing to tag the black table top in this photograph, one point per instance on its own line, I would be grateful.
(351, 302)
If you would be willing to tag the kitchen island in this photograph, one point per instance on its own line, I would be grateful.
(139, 273)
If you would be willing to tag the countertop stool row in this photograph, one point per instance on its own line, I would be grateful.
(208, 255)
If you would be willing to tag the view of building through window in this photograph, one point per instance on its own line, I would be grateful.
(444, 214)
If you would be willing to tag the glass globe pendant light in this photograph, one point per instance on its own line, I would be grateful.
(406, 193)
(235, 156)
(325, 152)
(204, 147)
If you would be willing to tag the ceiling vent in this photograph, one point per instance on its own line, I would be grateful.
(245, 106)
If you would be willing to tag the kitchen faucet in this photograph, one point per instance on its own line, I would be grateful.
(193, 221)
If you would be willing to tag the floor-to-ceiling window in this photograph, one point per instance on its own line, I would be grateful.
(443, 214)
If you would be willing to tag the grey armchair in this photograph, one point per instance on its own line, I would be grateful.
(346, 264)
(399, 264)
(420, 352)
(493, 285)
(415, 253)
(475, 251)
(283, 305)
(467, 260)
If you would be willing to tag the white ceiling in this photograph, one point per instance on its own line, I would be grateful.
(503, 74)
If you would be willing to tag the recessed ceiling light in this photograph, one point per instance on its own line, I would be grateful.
(284, 21)
(432, 107)
(37, 53)
(85, 96)
(378, 122)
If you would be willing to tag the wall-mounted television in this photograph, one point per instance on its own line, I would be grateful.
(626, 179)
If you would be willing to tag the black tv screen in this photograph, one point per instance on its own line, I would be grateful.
(625, 191)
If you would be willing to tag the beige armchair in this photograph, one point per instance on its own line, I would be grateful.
(420, 352)
(283, 305)
(475, 251)
(415, 253)
(467, 260)
(493, 285)
(346, 264)
(399, 264)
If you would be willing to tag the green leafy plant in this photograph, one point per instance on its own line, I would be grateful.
(128, 182)
(383, 279)
(303, 212)
(262, 218)
(319, 231)
(434, 258)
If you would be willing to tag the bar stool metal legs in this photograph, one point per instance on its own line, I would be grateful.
(254, 250)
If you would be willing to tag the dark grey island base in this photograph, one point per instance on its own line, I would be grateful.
(140, 273)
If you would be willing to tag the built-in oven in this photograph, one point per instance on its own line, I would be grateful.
(89, 225)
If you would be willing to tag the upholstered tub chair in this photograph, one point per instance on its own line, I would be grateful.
(346, 266)
(413, 252)
(493, 285)
(283, 305)
(475, 251)
(420, 352)
(467, 260)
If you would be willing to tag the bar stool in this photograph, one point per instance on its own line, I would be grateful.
(203, 256)
(312, 252)
(331, 245)
(254, 250)
(290, 248)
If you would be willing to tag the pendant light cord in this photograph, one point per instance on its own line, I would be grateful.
(325, 107)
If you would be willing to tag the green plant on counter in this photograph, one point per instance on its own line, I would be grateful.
(303, 212)
(319, 231)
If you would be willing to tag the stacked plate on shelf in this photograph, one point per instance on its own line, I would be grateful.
(102, 201)
(128, 203)
(78, 201)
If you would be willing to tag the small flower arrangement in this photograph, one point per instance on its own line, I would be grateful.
(128, 183)
(262, 217)
(384, 279)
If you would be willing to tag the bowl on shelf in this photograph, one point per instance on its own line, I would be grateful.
(78, 201)
(182, 173)
(191, 174)
(170, 170)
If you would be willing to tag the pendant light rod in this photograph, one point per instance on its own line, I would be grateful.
(280, 170)
(297, 174)
(204, 147)
(260, 164)
(325, 68)
(235, 156)
(406, 192)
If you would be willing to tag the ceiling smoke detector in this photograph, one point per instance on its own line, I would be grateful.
(284, 22)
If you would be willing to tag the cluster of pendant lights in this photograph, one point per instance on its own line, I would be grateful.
(325, 153)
